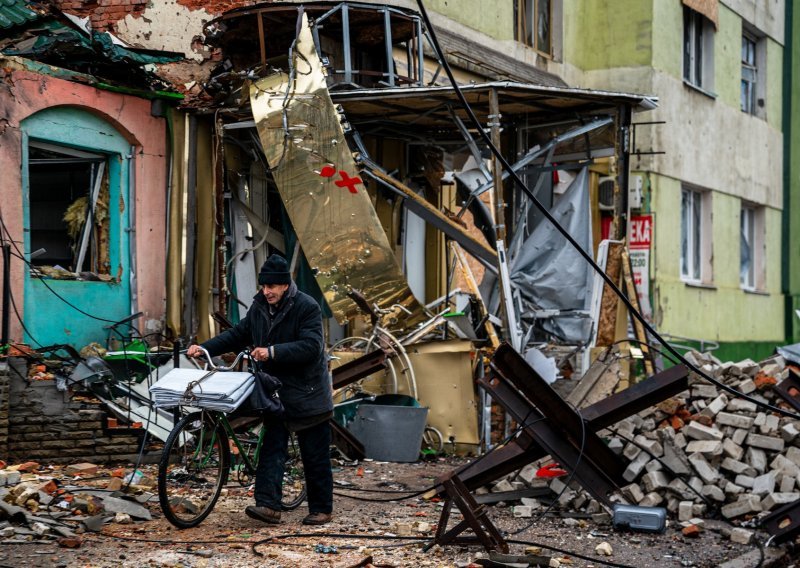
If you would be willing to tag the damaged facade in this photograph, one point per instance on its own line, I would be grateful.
(330, 132)
(397, 199)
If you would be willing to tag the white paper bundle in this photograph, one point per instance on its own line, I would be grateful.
(224, 390)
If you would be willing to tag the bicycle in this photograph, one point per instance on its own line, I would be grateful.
(203, 449)
(398, 361)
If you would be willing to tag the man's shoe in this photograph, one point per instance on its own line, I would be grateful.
(317, 519)
(263, 514)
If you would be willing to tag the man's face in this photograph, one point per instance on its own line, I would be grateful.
(274, 292)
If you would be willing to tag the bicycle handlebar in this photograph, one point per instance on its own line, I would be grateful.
(230, 367)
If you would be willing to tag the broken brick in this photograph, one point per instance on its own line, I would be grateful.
(82, 469)
(25, 467)
(764, 381)
(692, 531)
(70, 542)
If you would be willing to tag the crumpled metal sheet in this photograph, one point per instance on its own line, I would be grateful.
(550, 273)
(332, 213)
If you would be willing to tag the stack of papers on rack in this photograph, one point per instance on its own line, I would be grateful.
(224, 390)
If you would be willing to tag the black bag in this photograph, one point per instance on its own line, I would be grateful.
(264, 399)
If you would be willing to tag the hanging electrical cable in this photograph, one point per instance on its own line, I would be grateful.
(507, 167)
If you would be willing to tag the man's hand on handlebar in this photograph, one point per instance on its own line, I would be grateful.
(260, 354)
(194, 351)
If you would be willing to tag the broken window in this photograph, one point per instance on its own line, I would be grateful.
(749, 74)
(751, 238)
(698, 50)
(746, 265)
(533, 24)
(68, 200)
(695, 236)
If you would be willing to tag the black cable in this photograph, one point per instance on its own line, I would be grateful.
(22, 323)
(19, 254)
(571, 553)
(540, 516)
(549, 216)
(761, 554)
(516, 431)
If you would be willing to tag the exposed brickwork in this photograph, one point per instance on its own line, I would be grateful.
(105, 13)
(45, 425)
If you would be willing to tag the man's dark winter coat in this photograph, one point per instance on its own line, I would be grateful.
(295, 333)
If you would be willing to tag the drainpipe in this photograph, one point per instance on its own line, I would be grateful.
(787, 264)
(131, 230)
(6, 291)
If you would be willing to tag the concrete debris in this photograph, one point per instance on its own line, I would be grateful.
(702, 453)
(39, 503)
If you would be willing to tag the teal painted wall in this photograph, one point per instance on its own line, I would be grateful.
(48, 318)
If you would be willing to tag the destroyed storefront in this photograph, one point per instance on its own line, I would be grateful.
(84, 133)
(334, 142)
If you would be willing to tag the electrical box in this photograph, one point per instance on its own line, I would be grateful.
(635, 192)
(643, 519)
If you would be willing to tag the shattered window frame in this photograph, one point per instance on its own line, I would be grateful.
(749, 73)
(751, 241)
(698, 51)
(695, 243)
(81, 222)
(532, 35)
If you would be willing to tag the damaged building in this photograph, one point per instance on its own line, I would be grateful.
(444, 192)
(329, 132)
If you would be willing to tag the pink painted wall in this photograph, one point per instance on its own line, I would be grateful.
(23, 93)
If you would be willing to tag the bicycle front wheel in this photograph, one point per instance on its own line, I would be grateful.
(294, 486)
(193, 469)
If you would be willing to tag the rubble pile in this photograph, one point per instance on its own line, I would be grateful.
(60, 504)
(704, 453)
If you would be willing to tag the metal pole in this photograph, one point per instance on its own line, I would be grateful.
(6, 291)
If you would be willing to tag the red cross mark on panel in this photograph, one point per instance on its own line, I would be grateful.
(345, 181)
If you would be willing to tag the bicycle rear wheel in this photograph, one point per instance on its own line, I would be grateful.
(294, 483)
(193, 469)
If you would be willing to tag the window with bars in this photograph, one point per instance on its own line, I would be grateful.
(534, 24)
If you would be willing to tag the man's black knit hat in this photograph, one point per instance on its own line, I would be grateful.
(274, 271)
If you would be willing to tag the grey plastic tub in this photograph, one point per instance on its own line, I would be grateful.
(390, 433)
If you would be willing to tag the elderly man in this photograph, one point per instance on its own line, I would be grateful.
(284, 329)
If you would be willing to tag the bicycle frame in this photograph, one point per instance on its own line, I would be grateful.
(221, 419)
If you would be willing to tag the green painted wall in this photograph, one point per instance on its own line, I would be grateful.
(724, 312)
(775, 79)
(495, 19)
(602, 34)
(667, 41)
(791, 211)
(727, 58)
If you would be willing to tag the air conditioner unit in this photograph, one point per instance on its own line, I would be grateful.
(605, 194)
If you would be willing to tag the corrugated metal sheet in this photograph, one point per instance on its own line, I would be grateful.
(16, 12)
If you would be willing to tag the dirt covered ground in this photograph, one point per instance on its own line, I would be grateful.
(363, 529)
